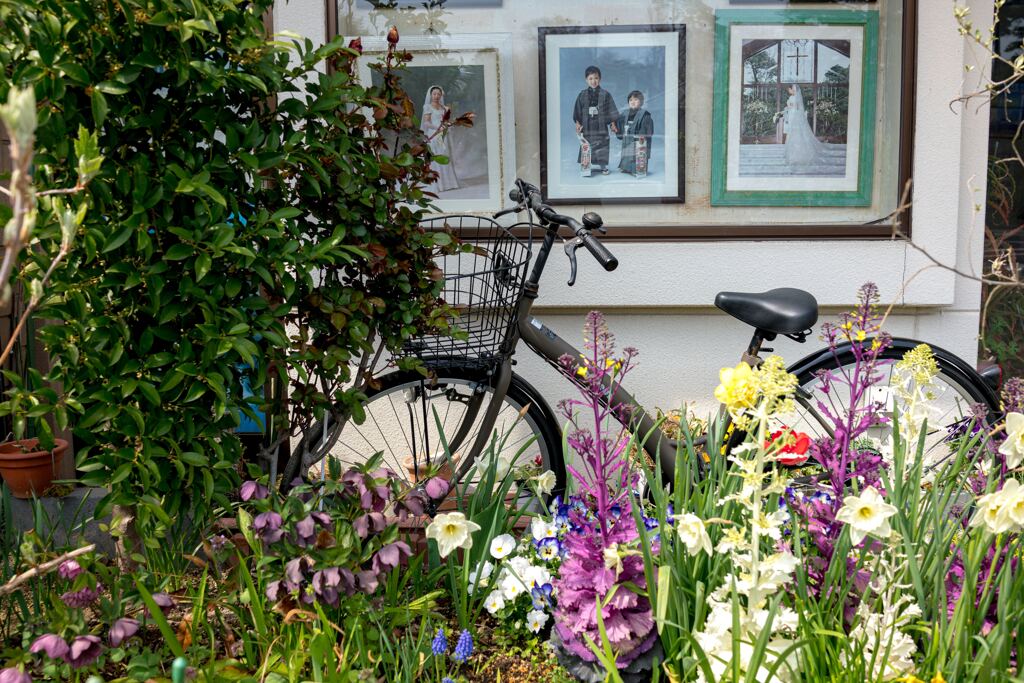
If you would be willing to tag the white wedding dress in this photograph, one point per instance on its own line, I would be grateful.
(802, 148)
(439, 143)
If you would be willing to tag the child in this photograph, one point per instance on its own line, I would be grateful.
(593, 113)
(635, 130)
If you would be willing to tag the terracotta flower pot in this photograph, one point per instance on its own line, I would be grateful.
(26, 469)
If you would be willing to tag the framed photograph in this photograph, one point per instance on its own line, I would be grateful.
(611, 114)
(794, 107)
(463, 73)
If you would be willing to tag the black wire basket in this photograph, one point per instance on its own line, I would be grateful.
(483, 286)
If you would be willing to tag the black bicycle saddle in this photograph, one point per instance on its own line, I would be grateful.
(782, 311)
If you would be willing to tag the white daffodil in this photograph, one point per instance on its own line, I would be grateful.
(545, 482)
(452, 530)
(502, 546)
(612, 558)
(495, 603)
(1000, 510)
(536, 619)
(866, 514)
(691, 531)
(1013, 447)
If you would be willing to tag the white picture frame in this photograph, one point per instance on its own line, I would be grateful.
(476, 71)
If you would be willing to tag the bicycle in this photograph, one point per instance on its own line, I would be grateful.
(473, 391)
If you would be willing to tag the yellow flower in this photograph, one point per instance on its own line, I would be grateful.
(738, 388)
(919, 364)
(582, 371)
(861, 335)
(938, 678)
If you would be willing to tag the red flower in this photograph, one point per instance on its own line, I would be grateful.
(795, 444)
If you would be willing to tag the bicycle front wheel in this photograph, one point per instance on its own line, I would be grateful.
(959, 395)
(415, 422)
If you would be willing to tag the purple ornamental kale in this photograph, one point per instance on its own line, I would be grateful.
(600, 521)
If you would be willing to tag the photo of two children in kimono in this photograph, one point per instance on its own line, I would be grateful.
(611, 114)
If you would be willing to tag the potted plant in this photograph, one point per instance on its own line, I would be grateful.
(27, 468)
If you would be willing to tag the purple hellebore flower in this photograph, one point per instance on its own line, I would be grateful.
(367, 581)
(52, 644)
(390, 556)
(295, 573)
(69, 569)
(163, 601)
(305, 532)
(325, 585)
(219, 542)
(273, 591)
(370, 523)
(322, 518)
(267, 526)
(123, 629)
(253, 490)
(436, 488)
(82, 598)
(414, 503)
(84, 650)
(13, 675)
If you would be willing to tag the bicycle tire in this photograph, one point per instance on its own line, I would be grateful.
(960, 388)
(538, 420)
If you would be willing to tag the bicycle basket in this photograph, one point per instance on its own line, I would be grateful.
(483, 286)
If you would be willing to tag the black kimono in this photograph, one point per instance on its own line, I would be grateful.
(595, 111)
(633, 124)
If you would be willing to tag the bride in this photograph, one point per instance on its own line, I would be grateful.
(802, 148)
(434, 109)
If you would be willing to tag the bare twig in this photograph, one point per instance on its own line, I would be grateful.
(44, 568)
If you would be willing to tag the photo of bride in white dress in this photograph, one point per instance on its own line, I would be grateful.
(431, 123)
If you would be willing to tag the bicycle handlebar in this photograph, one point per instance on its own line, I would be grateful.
(583, 234)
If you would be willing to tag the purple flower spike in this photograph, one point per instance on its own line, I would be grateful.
(437, 488)
(84, 650)
(122, 630)
(267, 526)
(52, 644)
(13, 675)
(69, 569)
(253, 490)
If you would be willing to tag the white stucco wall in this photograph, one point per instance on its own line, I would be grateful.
(660, 298)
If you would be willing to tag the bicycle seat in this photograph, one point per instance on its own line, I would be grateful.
(782, 311)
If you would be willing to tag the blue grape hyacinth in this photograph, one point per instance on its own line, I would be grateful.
(440, 644)
(463, 648)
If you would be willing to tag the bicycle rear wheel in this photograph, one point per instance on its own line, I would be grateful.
(958, 391)
(408, 415)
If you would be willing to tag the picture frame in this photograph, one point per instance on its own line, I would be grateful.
(642, 162)
(474, 74)
(794, 107)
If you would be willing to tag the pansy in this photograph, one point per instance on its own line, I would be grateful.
(541, 595)
(548, 549)
(536, 619)
(494, 603)
(512, 587)
(502, 546)
(541, 529)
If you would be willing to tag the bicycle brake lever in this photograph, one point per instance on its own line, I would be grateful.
(570, 250)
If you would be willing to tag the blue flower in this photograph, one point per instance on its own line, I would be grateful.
(548, 548)
(561, 525)
(651, 523)
(616, 511)
(670, 515)
(541, 596)
(463, 648)
(440, 644)
(447, 679)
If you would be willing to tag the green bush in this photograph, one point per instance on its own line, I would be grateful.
(226, 194)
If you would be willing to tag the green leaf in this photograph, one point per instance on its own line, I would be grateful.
(161, 622)
(179, 251)
(287, 212)
(203, 264)
(112, 87)
(119, 238)
(99, 108)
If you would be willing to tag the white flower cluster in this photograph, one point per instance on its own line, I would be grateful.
(886, 648)
(520, 577)
(759, 573)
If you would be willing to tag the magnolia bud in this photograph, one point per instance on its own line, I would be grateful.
(393, 36)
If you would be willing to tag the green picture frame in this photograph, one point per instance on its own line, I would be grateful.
(825, 174)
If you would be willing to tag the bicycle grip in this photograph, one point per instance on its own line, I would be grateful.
(600, 252)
